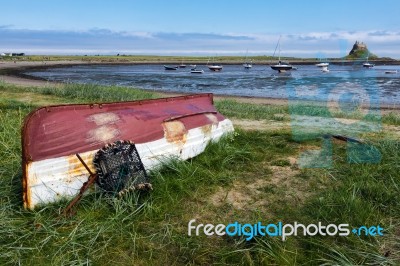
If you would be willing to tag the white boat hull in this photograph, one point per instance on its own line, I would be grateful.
(215, 68)
(281, 68)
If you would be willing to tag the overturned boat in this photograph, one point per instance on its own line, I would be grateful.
(55, 138)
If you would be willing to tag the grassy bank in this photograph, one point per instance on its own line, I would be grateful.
(251, 176)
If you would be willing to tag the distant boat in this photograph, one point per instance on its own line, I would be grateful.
(193, 66)
(214, 67)
(182, 65)
(390, 71)
(281, 66)
(368, 64)
(323, 64)
(170, 67)
(196, 71)
(247, 64)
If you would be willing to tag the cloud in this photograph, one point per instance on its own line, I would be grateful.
(201, 36)
(308, 38)
(8, 26)
(379, 33)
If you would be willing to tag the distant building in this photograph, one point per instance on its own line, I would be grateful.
(12, 54)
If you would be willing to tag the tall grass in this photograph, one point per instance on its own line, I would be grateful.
(232, 108)
(85, 92)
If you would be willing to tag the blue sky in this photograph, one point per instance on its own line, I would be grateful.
(308, 28)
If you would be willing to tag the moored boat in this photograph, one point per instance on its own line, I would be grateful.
(368, 65)
(196, 71)
(391, 72)
(55, 138)
(170, 67)
(281, 66)
(323, 64)
(214, 67)
(247, 64)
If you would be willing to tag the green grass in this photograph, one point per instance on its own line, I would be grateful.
(232, 108)
(256, 166)
(83, 92)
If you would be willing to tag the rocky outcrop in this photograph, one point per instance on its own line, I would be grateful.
(359, 49)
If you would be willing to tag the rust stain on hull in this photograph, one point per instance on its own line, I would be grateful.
(206, 130)
(175, 132)
(26, 197)
(76, 168)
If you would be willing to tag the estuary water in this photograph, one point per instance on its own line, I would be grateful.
(344, 83)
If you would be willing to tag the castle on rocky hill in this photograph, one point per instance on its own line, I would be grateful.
(359, 48)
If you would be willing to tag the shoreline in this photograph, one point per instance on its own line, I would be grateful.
(11, 72)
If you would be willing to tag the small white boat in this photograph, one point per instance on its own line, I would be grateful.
(247, 64)
(182, 65)
(323, 64)
(213, 66)
(391, 72)
(368, 64)
(196, 71)
(193, 66)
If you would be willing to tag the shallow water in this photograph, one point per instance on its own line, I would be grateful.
(342, 83)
